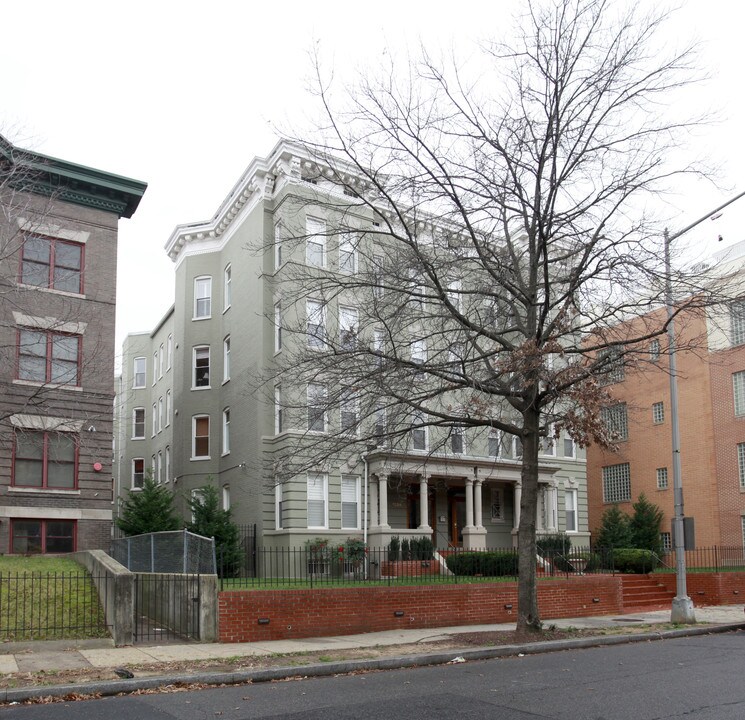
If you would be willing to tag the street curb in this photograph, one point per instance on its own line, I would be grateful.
(116, 687)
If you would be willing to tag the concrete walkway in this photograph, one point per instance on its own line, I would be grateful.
(34, 657)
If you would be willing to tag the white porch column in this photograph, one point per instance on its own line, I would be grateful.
(383, 493)
(477, 504)
(469, 503)
(552, 499)
(373, 504)
(424, 503)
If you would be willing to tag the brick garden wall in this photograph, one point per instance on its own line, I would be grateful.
(346, 611)
(725, 588)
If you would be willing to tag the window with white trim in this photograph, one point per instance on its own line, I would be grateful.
(201, 367)
(662, 478)
(159, 474)
(202, 298)
(160, 414)
(200, 437)
(377, 275)
(616, 420)
(315, 243)
(741, 464)
(737, 322)
(738, 387)
(548, 443)
(278, 507)
(617, 483)
(457, 440)
(379, 346)
(419, 434)
(317, 411)
(277, 327)
(570, 447)
(161, 360)
(454, 293)
(227, 287)
(570, 510)
(348, 325)
(316, 324)
(226, 497)
(418, 350)
(517, 447)
(380, 426)
(138, 423)
(169, 407)
(349, 412)
(226, 359)
(169, 356)
(155, 419)
(153, 472)
(317, 485)
(658, 413)
(277, 246)
(278, 418)
(168, 464)
(350, 502)
(495, 446)
(138, 473)
(347, 254)
(139, 372)
(226, 431)
(155, 367)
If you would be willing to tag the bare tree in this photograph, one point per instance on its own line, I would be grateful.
(483, 259)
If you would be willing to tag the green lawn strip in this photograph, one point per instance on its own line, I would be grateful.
(48, 598)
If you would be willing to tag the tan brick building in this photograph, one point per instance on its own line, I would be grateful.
(712, 431)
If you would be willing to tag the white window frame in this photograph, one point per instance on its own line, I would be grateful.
(135, 436)
(225, 359)
(194, 420)
(226, 497)
(418, 351)
(168, 464)
(202, 284)
(278, 507)
(456, 430)
(155, 419)
(227, 287)
(348, 246)
(548, 443)
(277, 327)
(169, 356)
(140, 362)
(169, 407)
(160, 414)
(323, 395)
(354, 480)
(199, 349)
(662, 478)
(152, 467)
(570, 507)
(159, 474)
(155, 367)
(658, 413)
(497, 436)
(454, 294)
(315, 314)
(277, 246)
(161, 359)
(132, 483)
(350, 404)
(424, 430)
(226, 431)
(566, 438)
(278, 412)
(349, 320)
(377, 275)
(315, 231)
(514, 447)
(323, 479)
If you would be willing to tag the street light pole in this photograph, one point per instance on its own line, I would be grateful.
(682, 606)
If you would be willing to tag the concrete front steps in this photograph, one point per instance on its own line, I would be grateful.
(644, 591)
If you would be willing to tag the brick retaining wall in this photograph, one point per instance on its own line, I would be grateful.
(346, 611)
(710, 588)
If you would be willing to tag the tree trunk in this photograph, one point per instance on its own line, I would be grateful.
(527, 597)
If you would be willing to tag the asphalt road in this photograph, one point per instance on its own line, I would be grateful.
(696, 678)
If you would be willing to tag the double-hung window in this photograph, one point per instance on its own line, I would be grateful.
(226, 431)
(315, 243)
(418, 350)
(160, 413)
(277, 246)
(161, 361)
(316, 324)
(418, 433)
(494, 443)
(317, 485)
(350, 502)
(278, 416)
(377, 277)
(227, 287)
(48, 357)
(380, 429)
(170, 352)
(138, 423)
(348, 324)
(226, 359)
(317, 411)
(154, 420)
(201, 378)
(570, 510)
(168, 408)
(138, 473)
(52, 263)
(457, 440)
(139, 373)
(349, 412)
(278, 506)
(277, 327)
(200, 443)
(45, 460)
(168, 464)
(202, 298)
(347, 254)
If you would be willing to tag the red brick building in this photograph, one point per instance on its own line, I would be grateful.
(711, 369)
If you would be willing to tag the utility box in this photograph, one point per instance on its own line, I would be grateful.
(689, 533)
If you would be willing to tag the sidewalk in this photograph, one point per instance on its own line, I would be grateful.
(40, 657)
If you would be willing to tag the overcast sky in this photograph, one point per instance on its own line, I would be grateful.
(183, 96)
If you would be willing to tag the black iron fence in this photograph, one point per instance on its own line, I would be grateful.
(718, 558)
(49, 606)
(329, 564)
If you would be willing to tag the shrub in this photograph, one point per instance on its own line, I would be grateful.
(633, 560)
(148, 510)
(394, 548)
(211, 520)
(422, 548)
(405, 549)
(489, 564)
(645, 525)
(614, 531)
(552, 544)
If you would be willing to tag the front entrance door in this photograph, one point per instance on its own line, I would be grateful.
(457, 512)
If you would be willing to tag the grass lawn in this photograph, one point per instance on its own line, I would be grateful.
(48, 598)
